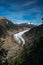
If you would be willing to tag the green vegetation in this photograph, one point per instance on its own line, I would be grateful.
(17, 61)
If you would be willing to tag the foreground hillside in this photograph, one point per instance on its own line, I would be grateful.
(34, 51)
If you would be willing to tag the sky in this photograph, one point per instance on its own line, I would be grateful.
(22, 11)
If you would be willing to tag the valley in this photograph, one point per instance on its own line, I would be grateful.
(19, 41)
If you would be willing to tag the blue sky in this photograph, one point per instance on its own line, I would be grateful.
(19, 11)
